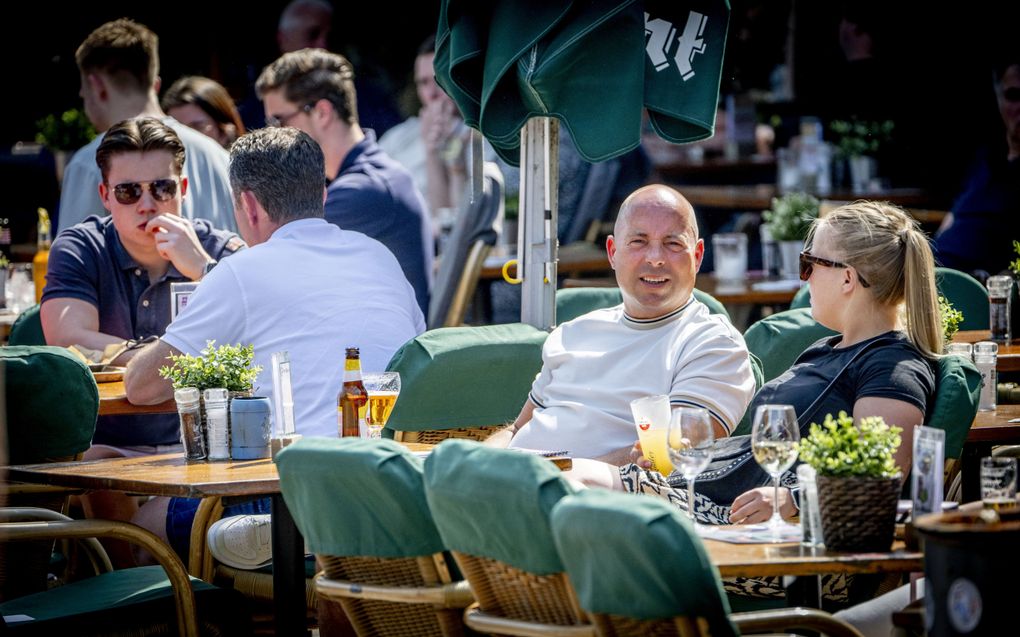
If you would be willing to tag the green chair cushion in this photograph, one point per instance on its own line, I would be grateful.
(102, 593)
(966, 295)
(802, 298)
(961, 289)
(573, 302)
(495, 503)
(778, 340)
(355, 497)
(957, 392)
(27, 328)
(637, 556)
(455, 377)
(52, 403)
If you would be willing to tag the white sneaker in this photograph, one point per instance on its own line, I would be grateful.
(242, 541)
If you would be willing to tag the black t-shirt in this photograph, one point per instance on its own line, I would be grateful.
(889, 367)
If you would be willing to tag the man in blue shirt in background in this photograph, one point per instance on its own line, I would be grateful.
(368, 192)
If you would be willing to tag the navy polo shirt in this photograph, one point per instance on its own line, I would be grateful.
(88, 262)
(376, 196)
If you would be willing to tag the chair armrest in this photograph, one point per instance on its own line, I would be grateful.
(93, 549)
(780, 619)
(187, 618)
(455, 595)
(483, 622)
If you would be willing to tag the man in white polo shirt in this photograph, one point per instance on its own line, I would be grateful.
(661, 340)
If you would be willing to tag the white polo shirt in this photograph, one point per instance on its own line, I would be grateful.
(311, 289)
(593, 366)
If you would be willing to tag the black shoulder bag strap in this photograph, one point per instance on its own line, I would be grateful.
(733, 470)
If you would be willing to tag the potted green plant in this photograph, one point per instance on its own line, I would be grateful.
(64, 134)
(951, 319)
(226, 366)
(858, 480)
(857, 142)
(788, 221)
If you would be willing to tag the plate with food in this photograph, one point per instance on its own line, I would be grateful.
(107, 373)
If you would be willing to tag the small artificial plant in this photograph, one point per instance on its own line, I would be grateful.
(68, 131)
(857, 137)
(951, 318)
(839, 448)
(226, 366)
(791, 216)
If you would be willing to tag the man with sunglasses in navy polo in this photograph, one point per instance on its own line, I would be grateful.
(109, 277)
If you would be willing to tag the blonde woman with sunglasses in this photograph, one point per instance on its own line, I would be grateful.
(873, 281)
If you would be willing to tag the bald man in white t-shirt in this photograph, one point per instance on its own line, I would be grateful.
(660, 340)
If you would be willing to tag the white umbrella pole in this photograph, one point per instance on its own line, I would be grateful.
(536, 239)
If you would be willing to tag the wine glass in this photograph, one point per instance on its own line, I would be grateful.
(774, 437)
(383, 389)
(690, 447)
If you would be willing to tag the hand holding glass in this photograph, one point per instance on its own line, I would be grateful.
(383, 389)
(690, 446)
(774, 437)
(998, 483)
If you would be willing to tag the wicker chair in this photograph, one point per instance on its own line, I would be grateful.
(491, 507)
(639, 569)
(360, 505)
(150, 600)
(463, 382)
(52, 406)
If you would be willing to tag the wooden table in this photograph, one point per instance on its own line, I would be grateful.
(1008, 359)
(990, 428)
(571, 260)
(172, 475)
(764, 560)
(728, 292)
(113, 401)
(748, 290)
(759, 197)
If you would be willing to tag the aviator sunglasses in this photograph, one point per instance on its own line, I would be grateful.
(130, 192)
(809, 261)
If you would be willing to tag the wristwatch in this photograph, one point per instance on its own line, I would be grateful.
(208, 267)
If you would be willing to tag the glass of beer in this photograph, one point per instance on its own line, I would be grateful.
(383, 389)
(651, 416)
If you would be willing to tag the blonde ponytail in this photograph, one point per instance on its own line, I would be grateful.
(883, 243)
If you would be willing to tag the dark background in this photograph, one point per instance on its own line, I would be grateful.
(936, 62)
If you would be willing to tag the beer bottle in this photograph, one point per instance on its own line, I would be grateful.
(352, 401)
(40, 262)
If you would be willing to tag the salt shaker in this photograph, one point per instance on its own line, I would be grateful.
(810, 514)
(1000, 290)
(985, 355)
(216, 423)
(192, 435)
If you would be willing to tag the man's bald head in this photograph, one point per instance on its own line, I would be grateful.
(656, 196)
(655, 251)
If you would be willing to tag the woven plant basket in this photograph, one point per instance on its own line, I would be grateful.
(858, 514)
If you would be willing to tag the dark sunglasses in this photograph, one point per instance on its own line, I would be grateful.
(275, 121)
(130, 192)
(809, 261)
(1012, 94)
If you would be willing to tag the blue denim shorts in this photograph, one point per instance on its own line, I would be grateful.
(181, 513)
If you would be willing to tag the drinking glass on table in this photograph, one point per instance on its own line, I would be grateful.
(383, 389)
(998, 483)
(651, 417)
(774, 437)
(690, 447)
